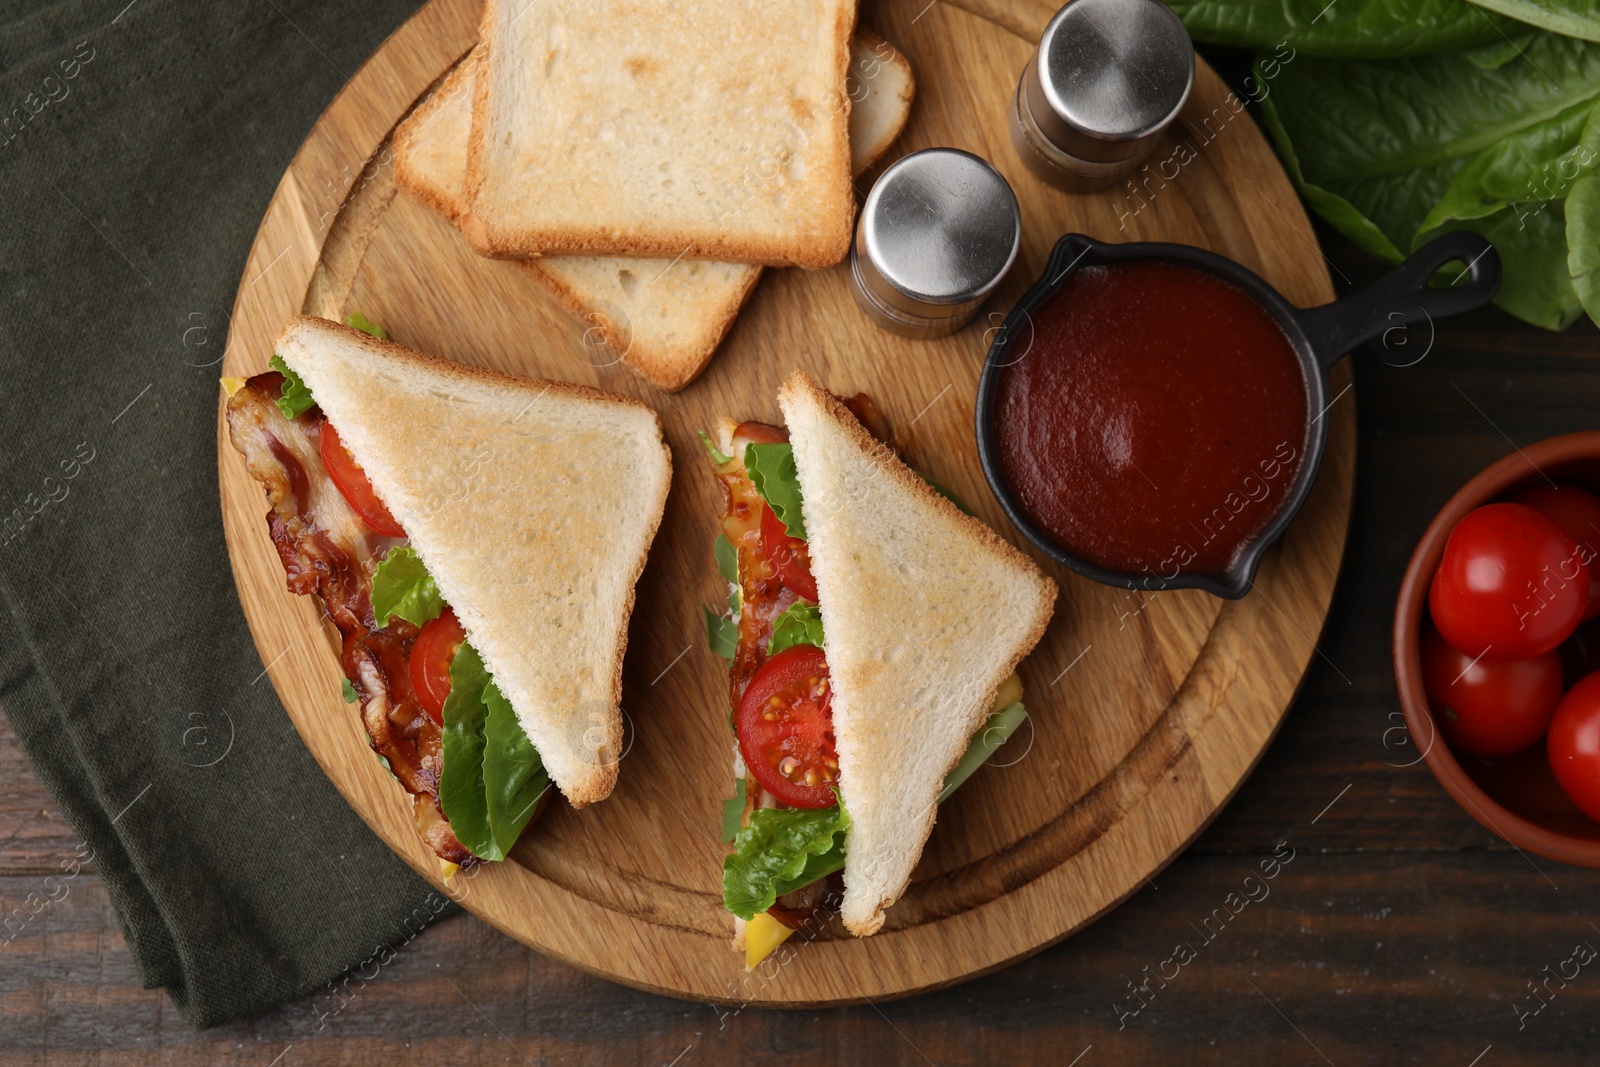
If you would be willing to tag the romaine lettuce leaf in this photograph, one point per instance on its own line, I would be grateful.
(1364, 29)
(777, 848)
(721, 634)
(1391, 152)
(1583, 242)
(461, 787)
(492, 775)
(402, 586)
(996, 732)
(772, 471)
(293, 397)
(514, 777)
(727, 558)
(800, 624)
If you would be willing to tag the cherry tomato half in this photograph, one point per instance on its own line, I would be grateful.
(1574, 745)
(431, 657)
(1511, 585)
(1576, 511)
(1489, 707)
(353, 484)
(789, 556)
(785, 728)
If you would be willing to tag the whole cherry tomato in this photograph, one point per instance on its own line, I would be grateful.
(1574, 745)
(1512, 584)
(1489, 707)
(1576, 511)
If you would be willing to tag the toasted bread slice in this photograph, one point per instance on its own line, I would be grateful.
(664, 317)
(533, 504)
(926, 612)
(696, 128)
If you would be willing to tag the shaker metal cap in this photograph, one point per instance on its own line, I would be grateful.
(938, 232)
(1108, 77)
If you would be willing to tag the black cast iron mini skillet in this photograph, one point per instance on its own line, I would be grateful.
(1320, 337)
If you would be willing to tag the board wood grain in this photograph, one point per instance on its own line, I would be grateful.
(1148, 711)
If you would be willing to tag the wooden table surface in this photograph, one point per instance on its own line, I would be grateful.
(1398, 932)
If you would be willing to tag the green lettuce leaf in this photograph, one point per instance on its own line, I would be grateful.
(349, 691)
(776, 849)
(996, 732)
(733, 811)
(1574, 18)
(727, 558)
(721, 634)
(1531, 239)
(461, 788)
(1369, 29)
(365, 325)
(402, 586)
(293, 397)
(772, 471)
(799, 624)
(1392, 151)
(514, 777)
(1583, 242)
(492, 775)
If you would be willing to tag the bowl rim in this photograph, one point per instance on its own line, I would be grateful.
(1492, 483)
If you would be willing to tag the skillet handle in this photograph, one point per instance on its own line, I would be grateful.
(1403, 297)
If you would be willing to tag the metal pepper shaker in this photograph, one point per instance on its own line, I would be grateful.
(938, 232)
(1108, 77)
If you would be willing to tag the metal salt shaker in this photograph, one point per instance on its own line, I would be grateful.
(938, 232)
(1109, 76)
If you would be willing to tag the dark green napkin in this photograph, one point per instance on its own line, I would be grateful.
(139, 146)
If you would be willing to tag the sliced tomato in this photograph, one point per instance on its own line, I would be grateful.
(431, 657)
(785, 728)
(789, 556)
(353, 484)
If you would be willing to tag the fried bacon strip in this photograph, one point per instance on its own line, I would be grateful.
(328, 551)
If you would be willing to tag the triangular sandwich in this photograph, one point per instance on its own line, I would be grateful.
(873, 634)
(476, 536)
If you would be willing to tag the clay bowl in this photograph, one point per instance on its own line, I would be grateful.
(1515, 797)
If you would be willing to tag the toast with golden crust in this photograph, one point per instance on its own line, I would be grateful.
(697, 128)
(533, 505)
(927, 611)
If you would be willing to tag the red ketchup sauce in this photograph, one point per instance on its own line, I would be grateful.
(1157, 421)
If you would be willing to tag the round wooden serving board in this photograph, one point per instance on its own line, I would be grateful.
(1147, 711)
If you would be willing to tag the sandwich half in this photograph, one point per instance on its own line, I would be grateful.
(663, 317)
(873, 634)
(476, 538)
